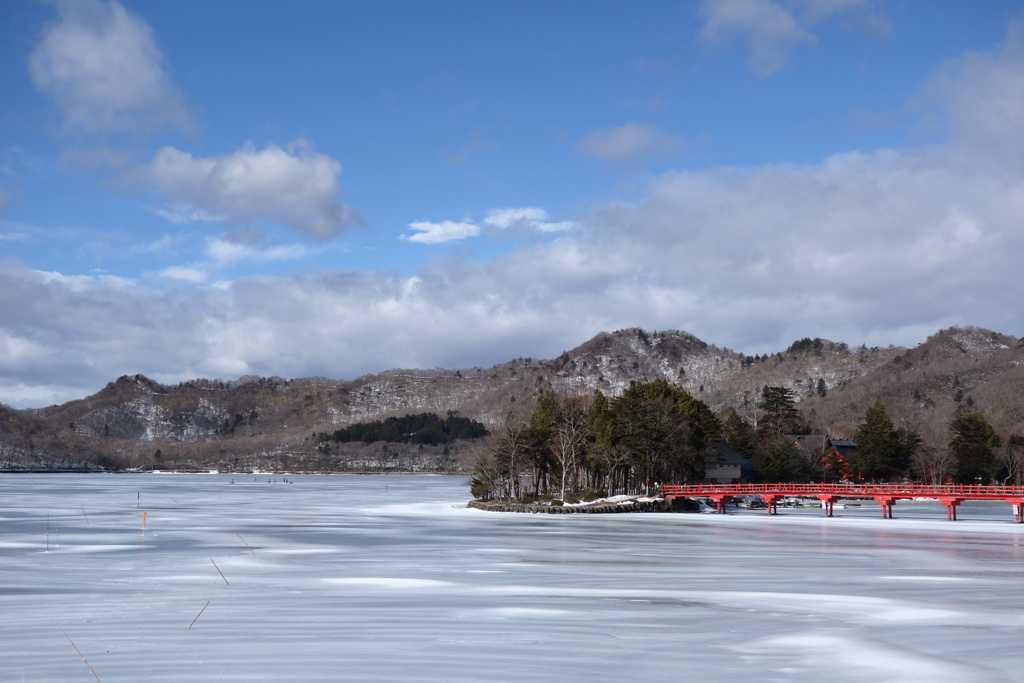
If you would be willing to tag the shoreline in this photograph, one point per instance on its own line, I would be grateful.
(596, 508)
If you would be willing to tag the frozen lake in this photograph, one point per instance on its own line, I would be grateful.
(392, 578)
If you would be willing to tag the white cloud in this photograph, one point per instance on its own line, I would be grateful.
(15, 232)
(769, 31)
(772, 30)
(530, 218)
(506, 218)
(102, 66)
(232, 249)
(438, 233)
(185, 213)
(160, 246)
(628, 142)
(223, 251)
(98, 282)
(981, 97)
(185, 274)
(297, 187)
(514, 221)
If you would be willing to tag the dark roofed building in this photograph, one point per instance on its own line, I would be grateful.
(727, 466)
(845, 447)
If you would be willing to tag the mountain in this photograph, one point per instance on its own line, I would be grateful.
(273, 423)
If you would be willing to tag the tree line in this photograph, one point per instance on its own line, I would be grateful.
(973, 453)
(654, 432)
(657, 432)
(425, 428)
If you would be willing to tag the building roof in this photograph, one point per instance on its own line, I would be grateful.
(728, 457)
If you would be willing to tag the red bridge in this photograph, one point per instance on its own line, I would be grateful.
(885, 495)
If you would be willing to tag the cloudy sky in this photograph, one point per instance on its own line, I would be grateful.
(217, 189)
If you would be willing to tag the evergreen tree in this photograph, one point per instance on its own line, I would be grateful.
(974, 445)
(779, 414)
(740, 435)
(606, 458)
(779, 461)
(665, 430)
(600, 417)
(883, 451)
(541, 428)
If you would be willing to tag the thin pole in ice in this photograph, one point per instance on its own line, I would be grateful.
(246, 544)
(198, 615)
(84, 660)
(220, 572)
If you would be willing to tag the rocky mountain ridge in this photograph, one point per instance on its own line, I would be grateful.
(272, 419)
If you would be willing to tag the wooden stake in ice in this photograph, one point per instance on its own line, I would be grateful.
(144, 521)
(85, 515)
(198, 615)
(246, 544)
(81, 655)
(219, 571)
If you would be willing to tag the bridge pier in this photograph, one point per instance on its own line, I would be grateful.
(827, 504)
(951, 505)
(886, 504)
(1018, 509)
(772, 501)
(721, 501)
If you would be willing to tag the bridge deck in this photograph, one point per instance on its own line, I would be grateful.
(885, 495)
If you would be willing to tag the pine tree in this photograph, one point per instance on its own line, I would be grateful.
(974, 445)
(779, 461)
(883, 451)
(665, 430)
(740, 435)
(780, 416)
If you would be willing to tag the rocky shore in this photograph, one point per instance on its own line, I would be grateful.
(645, 505)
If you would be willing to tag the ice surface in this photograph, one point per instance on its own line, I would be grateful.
(392, 578)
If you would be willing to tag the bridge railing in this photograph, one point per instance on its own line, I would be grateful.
(847, 490)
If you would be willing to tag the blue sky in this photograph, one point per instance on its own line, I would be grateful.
(197, 189)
